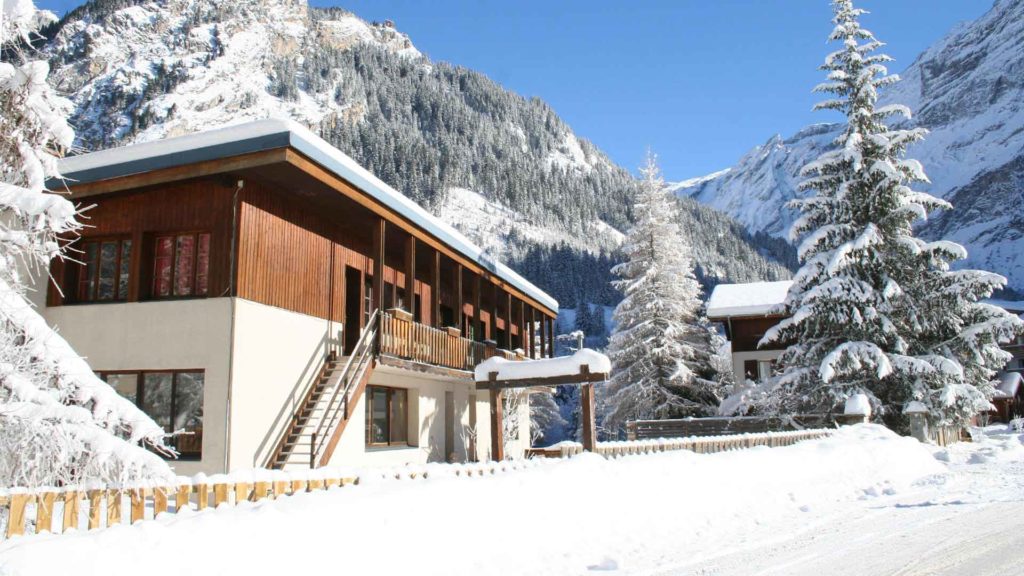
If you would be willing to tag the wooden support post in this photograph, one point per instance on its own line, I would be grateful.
(435, 290)
(220, 494)
(377, 298)
(587, 413)
(138, 500)
(71, 509)
(160, 500)
(532, 350)
(460, 300)
(241, 492)
(475, 331)
(551, 337)
(497, 420)
(202, 496)
(16, 518)
(181, 498)
(410, 276)
(44, 511)
(95, 508)
(508, 320)
(113, 507)
(522, 328)
(543, 335)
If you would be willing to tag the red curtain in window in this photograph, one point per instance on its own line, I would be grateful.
(163, 266)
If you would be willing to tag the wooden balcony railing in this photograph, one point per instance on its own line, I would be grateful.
(402, 338)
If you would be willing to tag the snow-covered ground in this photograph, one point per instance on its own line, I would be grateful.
(862, 502)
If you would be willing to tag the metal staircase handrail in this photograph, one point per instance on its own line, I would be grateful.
(363, 351)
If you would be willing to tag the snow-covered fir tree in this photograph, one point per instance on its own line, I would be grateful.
(59, 423)
(874, 309)
(661, 348)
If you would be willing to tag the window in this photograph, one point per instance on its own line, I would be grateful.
(387, 414)
(172, 398)
(181, 265)
(106, 271)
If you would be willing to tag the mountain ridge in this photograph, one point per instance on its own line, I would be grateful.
(966, 89)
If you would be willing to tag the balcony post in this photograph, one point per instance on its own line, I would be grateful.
(435, 290)
(410, 275)
(377, 298)
(476, 311)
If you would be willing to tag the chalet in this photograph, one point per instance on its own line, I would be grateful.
(256, 288)
(747, 311)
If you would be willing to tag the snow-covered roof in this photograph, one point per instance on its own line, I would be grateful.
(1011, 306)
(266, 135)
(596, 362)
(750, 299)
(1009, 384)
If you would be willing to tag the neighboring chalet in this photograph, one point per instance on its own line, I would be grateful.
(256, 288)
(747, 311)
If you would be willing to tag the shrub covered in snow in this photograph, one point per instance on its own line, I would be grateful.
(59, 423)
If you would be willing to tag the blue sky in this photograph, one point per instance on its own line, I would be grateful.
(699, 81)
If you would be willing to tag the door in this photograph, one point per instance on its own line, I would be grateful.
(353, 300)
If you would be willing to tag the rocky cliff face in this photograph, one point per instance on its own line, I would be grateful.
(968, 91)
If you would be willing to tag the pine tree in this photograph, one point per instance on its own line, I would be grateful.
(59, 423)
(661, 347)
(874, 309)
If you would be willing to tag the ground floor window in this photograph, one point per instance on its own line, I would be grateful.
(387, 416)
(172, 398)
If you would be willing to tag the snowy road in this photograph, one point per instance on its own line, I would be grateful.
(969, 522)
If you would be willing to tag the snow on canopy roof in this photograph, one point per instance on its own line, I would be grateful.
(750, 299)
(1011, 306)
(1009, 384)
(276, 133)
(546, 368)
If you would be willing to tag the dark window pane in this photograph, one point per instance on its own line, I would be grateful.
(126, 385)
(87, 282)
(163, 266)
(398, 416)
(108, 270)
(203, 265)
(188, 407)
(185, 250)
(378, 416)
(123, 273)
(156, 397)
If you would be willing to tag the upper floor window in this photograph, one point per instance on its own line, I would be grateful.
(106, 271)
(181, 265)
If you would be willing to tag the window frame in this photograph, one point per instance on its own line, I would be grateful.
(153, 246)
(391, 391)
(74, 291)
(140, 396)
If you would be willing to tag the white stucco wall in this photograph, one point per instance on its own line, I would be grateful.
(166, 335)
(277, 354)
(738, 358)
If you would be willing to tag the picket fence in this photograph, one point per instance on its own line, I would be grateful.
(699, 444)
(60, 510)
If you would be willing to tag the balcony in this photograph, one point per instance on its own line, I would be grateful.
(409, 344)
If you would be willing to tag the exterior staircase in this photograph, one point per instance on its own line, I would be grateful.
(317, 425)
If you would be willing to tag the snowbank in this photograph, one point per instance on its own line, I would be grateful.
(545, 368)
(556, 517)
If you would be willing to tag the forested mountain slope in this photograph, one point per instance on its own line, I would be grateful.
(503, 168)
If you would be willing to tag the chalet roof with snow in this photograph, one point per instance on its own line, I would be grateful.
(271, 134)
(750, 299)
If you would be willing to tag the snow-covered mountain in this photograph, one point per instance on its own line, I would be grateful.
(968, 90)
(503, 168)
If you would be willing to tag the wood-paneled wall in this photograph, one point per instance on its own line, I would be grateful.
(195, 205)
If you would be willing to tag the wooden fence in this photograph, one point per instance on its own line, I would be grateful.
(701, 445)
(721, 426)
(25, 511)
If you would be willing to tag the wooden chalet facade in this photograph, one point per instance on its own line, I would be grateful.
(748, 311)
(255, 287)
